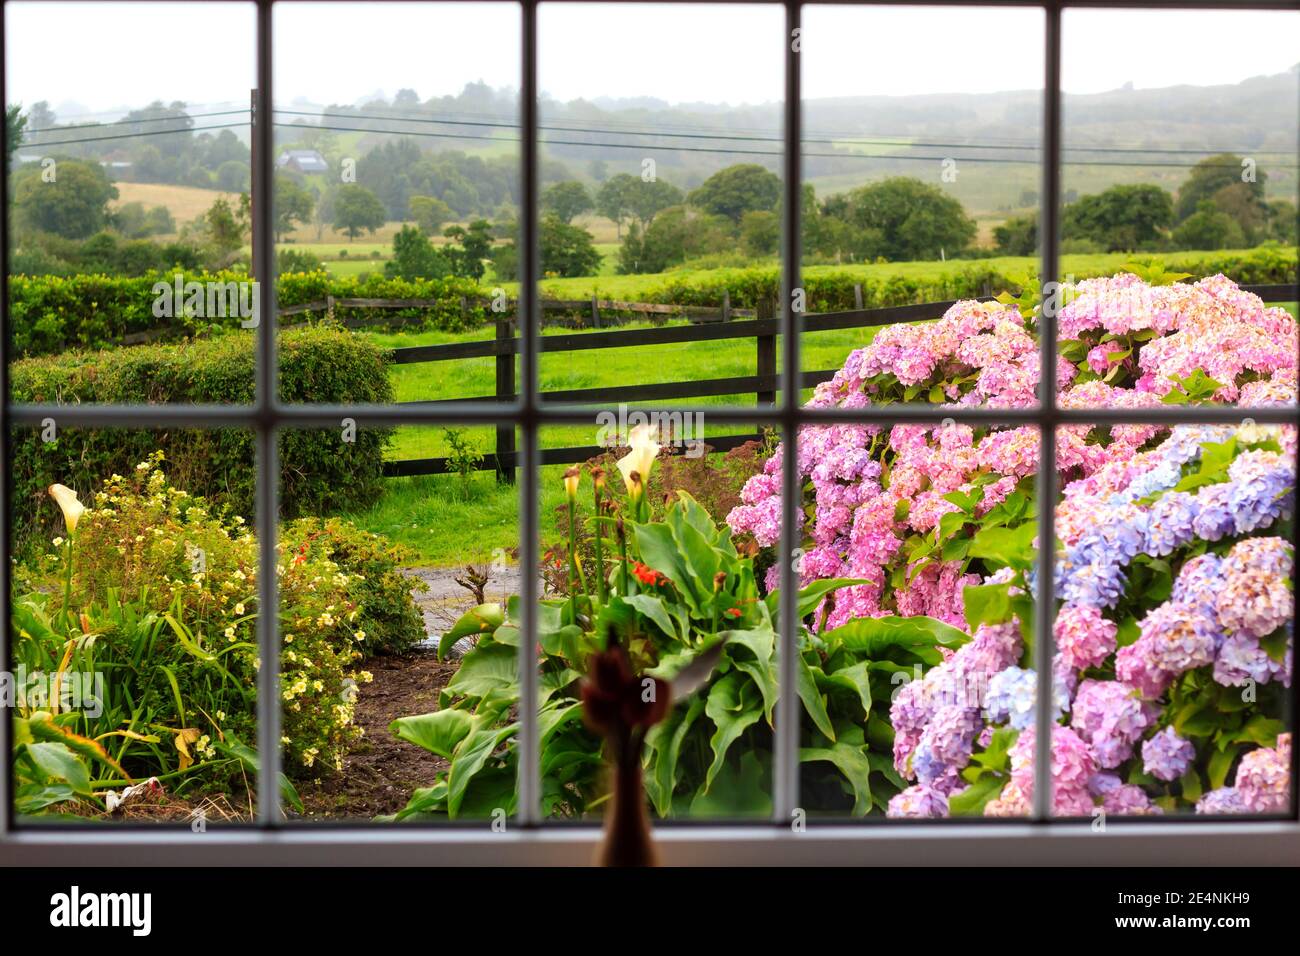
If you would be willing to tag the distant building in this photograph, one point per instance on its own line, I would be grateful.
(302, 161)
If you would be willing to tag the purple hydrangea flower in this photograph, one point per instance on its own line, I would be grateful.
(1129, 800)
(1166, 756)
(1111, 717)
(1169, 525)
(918, 801)
(1223, 800)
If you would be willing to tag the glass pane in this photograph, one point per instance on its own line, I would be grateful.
(922, 655)
(646, 569)
(134, 626)
(397, 663)
(397, 190)
(659, 186)
(129, 183)
(1178, 222)
(1175, 620)
(920, 187)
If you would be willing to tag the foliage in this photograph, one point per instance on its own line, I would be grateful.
(161, 600)
(738, 189)
(293, 204)
(1124, 217)
(676, 235)
(567, 199)
(414, 257)
(462, 459)
(429, 213)
(901, 219)
(356, 208)
(318, 469)
(73, 202)
(473, 249)
(682, 588)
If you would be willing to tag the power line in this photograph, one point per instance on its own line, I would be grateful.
(155, 132)
(131, 122)
(742, 138)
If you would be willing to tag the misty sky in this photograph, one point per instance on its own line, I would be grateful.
(104, 56)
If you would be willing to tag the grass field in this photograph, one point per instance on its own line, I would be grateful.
(185, 203)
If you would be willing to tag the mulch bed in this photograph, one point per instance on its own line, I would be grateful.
(380, 771)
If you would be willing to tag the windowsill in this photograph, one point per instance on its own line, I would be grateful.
(1063, 844)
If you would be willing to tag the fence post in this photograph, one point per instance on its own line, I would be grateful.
(857, 296)
(766, 350)
(595, 312)
(726, 306)
(505, 393)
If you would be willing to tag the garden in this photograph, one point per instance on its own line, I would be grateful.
(135, 587)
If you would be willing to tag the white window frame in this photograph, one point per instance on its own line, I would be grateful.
(527, 838)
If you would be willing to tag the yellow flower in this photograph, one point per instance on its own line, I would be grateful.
(571, 478)
(636, 464)
(66, 499)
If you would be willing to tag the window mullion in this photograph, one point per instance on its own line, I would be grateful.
(267, 464)
(1048, 276)
(788, 707)
(529, 780)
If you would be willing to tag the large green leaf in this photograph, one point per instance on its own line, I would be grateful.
(856, 680)
(734, 704)
(849, 755)
(483, 619)
(470, 757)
(743, 788)
(486, 668)
(59, 764)
(652, 606)
(665, 745)
(812, 699)
(811, 595)
(872, 636)
(753, 652)
(438, 732)
(1012, 547)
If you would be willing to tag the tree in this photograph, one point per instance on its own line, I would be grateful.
(612, 200)
(1282, 221)
(1126, 217)
(1208, 228)
(414, 257)
(475, 245)
(902, 219)
(674, 236)
(293, 204)
(738, 189)
(1017, 236)
(73, 202)
(429, 213)
(233, 176)
(566, 250)
(14, 123)
(1211, 175)
(760, 232)
(566, 200)
(225, 227)
(625, 196)
(357, 208)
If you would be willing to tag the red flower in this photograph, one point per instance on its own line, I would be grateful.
(732, 612)
(647, 575)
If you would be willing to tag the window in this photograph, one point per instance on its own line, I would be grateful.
(1051, 153)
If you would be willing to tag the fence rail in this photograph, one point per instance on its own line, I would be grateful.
(763, 329)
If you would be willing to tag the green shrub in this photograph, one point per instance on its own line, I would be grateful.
(50, 313)
(388, 620)
(176, 640)
(318, 471)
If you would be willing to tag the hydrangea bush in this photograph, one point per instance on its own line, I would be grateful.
(1173, 629)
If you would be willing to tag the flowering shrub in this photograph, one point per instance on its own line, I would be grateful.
(1176, 609)
(164, 601)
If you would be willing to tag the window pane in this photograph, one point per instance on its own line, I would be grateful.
(921, 180)
(134, 625)
(660, 201)
(1175, 625)
(1179, 188)
(129, 184)
(642, 576)
(391, 678)
(922, 654)
(397, 189)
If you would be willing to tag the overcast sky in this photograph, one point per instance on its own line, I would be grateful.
(103, 56)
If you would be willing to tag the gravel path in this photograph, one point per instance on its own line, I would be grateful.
(443, 601)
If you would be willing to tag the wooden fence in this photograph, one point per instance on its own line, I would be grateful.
(763, 329)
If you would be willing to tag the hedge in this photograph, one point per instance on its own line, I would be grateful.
(52, 314)
(319, 472)
(833, 290)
